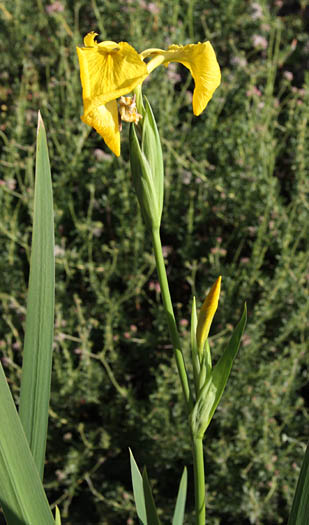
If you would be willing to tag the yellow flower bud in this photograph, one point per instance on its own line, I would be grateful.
(206, 315)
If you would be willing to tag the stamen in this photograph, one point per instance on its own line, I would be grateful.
(128, 110)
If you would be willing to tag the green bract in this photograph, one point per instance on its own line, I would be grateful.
(214, 385)
(147, 169)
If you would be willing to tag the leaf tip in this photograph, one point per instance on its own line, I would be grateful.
(40, 120)
(245, 309)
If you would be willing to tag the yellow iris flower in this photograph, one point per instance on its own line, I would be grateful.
(109, 70)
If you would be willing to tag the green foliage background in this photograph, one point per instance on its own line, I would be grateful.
(236, 204)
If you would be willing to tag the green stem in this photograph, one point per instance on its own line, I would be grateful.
(171, 318)
(197, 443)
(199, 481)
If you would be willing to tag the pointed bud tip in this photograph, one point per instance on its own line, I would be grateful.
(207, 313)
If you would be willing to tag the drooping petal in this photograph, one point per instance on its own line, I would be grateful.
(207, 313)
(104, 119)
(202, 63)
(108, 70)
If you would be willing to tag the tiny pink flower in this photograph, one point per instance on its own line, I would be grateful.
(59, 251)
(166, 250)
(11, 184)
(259, 41)
(151, 285)
(151, 7)
(56, 7)
(239, 61)
(158, 287)
(257, 11)
(253, 91)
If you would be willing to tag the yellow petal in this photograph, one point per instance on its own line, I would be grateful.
(207, 313)
(202, 63)
(108, 70)
(89, 39)
(104, 119)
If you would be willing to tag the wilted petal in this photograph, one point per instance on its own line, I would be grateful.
(104, 119)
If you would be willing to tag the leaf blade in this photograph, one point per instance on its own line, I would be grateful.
(300, 507)
(37, 355)
(151, 511)
(181, 499)
(21, 491)
(138, 490)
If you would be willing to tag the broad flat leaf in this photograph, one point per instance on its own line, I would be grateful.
(37, 354)
(213, 389)
(138, 490)
(22, 496)
(151, 511)
(300, 508)
(181, 500)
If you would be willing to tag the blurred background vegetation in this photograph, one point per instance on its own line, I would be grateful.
(236, 204)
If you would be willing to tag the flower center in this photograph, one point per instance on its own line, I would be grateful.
(128, 110)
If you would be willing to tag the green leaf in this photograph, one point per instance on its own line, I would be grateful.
(181, 500)
(300, 508)
(143, 181)
(37, 355)
(214, 386)
(151, 145)
(151, 511)
(138, 490)
(22, 496)
(194, 353)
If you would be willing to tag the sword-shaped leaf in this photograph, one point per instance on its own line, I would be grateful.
(138, 491)
(300, 508)
(181, 500)
(22, 496)
(151, 511)
(37, 354)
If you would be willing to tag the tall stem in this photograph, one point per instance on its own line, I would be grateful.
(197, 443)
(171, 318)
(199, 481)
